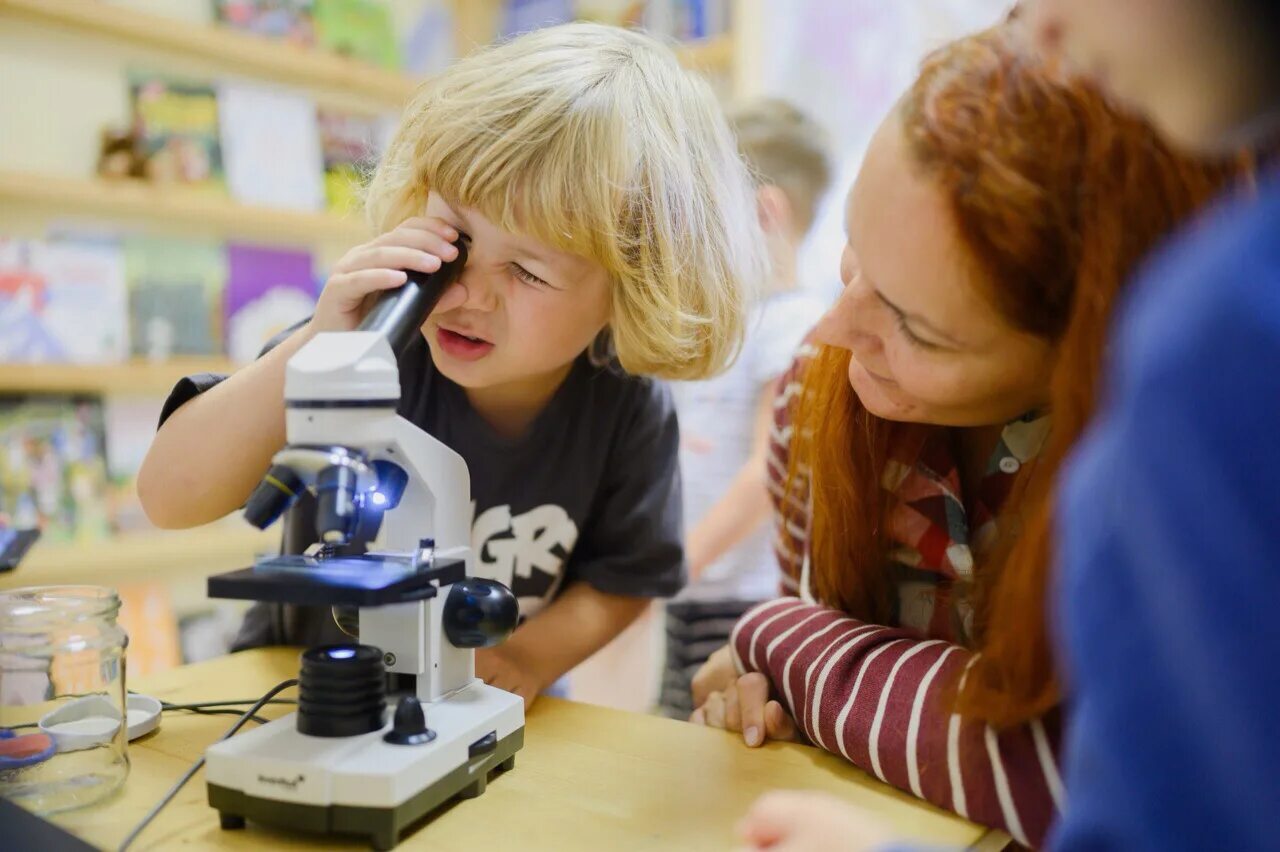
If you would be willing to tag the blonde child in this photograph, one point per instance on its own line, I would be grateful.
(612, 237)
(725, 421)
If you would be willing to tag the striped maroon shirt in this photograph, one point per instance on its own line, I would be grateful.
(879, 695)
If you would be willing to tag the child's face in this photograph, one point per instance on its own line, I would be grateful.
(528, 311)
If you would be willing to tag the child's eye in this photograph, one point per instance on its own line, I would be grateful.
(526, 276)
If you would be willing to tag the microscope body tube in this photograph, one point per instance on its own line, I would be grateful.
(400, 313)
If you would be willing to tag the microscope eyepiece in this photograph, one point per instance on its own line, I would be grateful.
(273, 496)
(336, 507)
(400, 313)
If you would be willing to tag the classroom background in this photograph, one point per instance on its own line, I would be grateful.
(176, 177)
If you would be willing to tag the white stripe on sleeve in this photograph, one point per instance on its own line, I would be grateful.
(878, 721)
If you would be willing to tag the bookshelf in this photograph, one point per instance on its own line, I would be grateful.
(135, 378)
(283, 62)
(144, 557)
(244, 52)
(138, 199)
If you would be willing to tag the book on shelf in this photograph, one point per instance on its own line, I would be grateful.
(175, 289)
(62, 300)
(129, 424)
(351, 146)
(522, 16)
(268, 290)
(290, 20)
(360, 29)
(620, 13)
(687, 20)
(270, 147)
(682, 20)
(429, 46)
(176, 122)
(52, 467)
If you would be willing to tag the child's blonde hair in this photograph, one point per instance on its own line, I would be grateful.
(787, 149)
(595, 141)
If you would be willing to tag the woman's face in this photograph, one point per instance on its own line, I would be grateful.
(927, 344)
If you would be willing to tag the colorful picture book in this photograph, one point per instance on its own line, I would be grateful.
(351, 146)
(177, 127)
(621, 13)
(52, 467)
(61, 301)
(271, 147)
(175, 287)
(522, 16)
(268, 290)
(291, 20)
(686, 20)
(361, 29)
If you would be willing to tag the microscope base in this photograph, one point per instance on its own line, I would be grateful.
(362, 785)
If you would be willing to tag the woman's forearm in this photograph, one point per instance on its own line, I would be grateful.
(880, 697)
(210, 454)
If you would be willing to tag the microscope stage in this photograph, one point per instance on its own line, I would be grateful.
(363, 581)
(363, 785)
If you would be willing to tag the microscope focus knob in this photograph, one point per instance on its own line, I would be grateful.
(479, 613)
(410, 724)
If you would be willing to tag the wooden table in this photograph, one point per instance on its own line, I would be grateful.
(587, 778)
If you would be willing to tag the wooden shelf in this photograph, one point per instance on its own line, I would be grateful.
(136, 378)
(713, 55)
(278, 60)
(175, 203)
(156, 556)
(244, 52)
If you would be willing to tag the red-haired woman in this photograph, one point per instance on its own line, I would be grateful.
(999, 210)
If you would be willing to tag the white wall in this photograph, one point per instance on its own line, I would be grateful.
(845, 62)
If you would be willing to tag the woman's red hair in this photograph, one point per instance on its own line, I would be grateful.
(1058, 196)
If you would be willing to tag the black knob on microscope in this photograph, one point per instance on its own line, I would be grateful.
(410, 725)
(479, 613)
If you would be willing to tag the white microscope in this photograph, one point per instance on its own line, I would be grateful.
(343, 764)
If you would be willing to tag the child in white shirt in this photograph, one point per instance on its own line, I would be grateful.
(725, 421)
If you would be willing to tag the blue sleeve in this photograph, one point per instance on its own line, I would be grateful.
(1169, 572)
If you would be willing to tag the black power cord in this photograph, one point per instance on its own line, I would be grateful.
(195, 767)
(221, 708)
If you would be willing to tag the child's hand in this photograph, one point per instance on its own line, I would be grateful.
(745, 706)
(362, 274)
(498, 667)
(715, 675)
(789, 821)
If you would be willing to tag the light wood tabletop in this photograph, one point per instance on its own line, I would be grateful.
(587, 778)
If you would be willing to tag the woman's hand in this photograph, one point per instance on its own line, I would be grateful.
(715, 676)
(420, 244)
(789, 821)
(745, 706)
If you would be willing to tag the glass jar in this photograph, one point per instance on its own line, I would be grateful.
(63, 734)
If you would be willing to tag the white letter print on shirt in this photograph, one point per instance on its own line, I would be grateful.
(526, 552)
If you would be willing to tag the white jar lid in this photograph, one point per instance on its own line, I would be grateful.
(93, 720)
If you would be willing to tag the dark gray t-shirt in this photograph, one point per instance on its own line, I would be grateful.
(590, 492)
